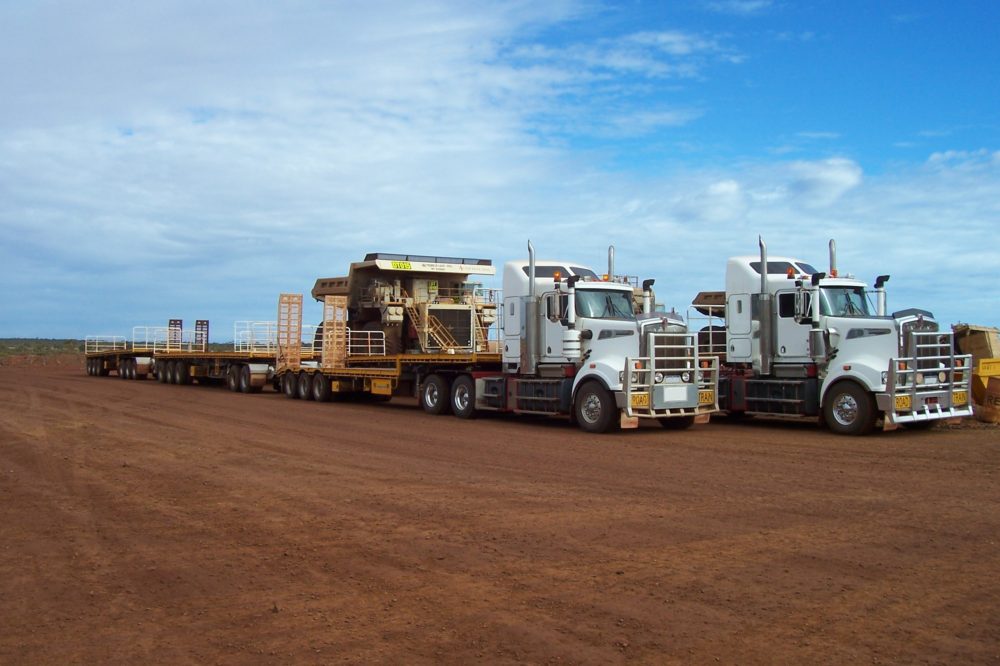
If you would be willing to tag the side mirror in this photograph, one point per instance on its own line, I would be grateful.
(803, 307)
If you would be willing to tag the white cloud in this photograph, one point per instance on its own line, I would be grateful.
(822, 183)
(740, 7)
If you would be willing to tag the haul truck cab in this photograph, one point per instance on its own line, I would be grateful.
(799, 342)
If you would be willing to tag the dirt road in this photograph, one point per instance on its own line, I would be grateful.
(143, 522)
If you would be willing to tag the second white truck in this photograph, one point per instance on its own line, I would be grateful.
(795, 341)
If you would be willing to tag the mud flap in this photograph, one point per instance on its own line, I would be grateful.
(702, 419)
(628, 422)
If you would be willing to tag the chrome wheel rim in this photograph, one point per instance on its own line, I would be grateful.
(845, 409)
(462, 398)
(431, 395)
(591, 408)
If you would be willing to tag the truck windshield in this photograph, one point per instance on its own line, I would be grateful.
(844, 302)
(604, 304)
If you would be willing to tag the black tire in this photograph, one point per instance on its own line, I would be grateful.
(849, 409)
(172, 368)
(677, 422)
(162, 375)
(233, 378)
(321, 388)
(246, 380)
(288, 385)
(183, 372)
(463, 397)
(304, 385)
(595, 408)
(132, 369)
(123, 368)
(89, 366)
(435, 395)
(102, 369)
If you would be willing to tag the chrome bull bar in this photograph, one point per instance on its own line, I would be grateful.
(673, 381)
(934, 383)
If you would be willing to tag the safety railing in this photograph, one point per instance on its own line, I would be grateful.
(365, 343)
(94, 344)
(674, 380)
(149, 338)
(176, 341)
(255, 337)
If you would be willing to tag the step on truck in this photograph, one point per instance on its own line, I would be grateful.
(567, 342)
(798, 342)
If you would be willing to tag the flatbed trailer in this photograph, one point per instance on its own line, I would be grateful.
(171, 355)
(380, 376)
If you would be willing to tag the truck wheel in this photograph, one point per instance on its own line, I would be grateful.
(434, 395)
(463, 397)
(321, 388)
(183, 373)
(595, 408)
(122, 368)
(288, 385)
(233, 378)
(849, 409)
(676, 422)
(246, 381)
(304, 385)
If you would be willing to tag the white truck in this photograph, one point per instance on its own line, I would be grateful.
(799, 342)
(573, 343)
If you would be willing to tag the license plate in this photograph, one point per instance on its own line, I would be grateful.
(903, 402)
(640, 400)
(960, 398)
(706, 397)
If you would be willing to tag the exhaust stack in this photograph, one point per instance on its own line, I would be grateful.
(880, 303)
(833, 258)
(764, 313)
(647, 296)
(611, 263)
(529, 350)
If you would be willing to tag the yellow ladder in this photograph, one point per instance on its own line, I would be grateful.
(334, 333)
(289, 332)
(432, 326)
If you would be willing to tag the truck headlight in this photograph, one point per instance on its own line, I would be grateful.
(942, 377)
(885, 377)
(658, 377)
(634, 377)
(686, 377)
(919, 378)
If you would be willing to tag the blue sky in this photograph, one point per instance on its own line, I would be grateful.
(186, 159)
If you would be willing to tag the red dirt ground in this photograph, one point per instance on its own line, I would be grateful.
(148, 523)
